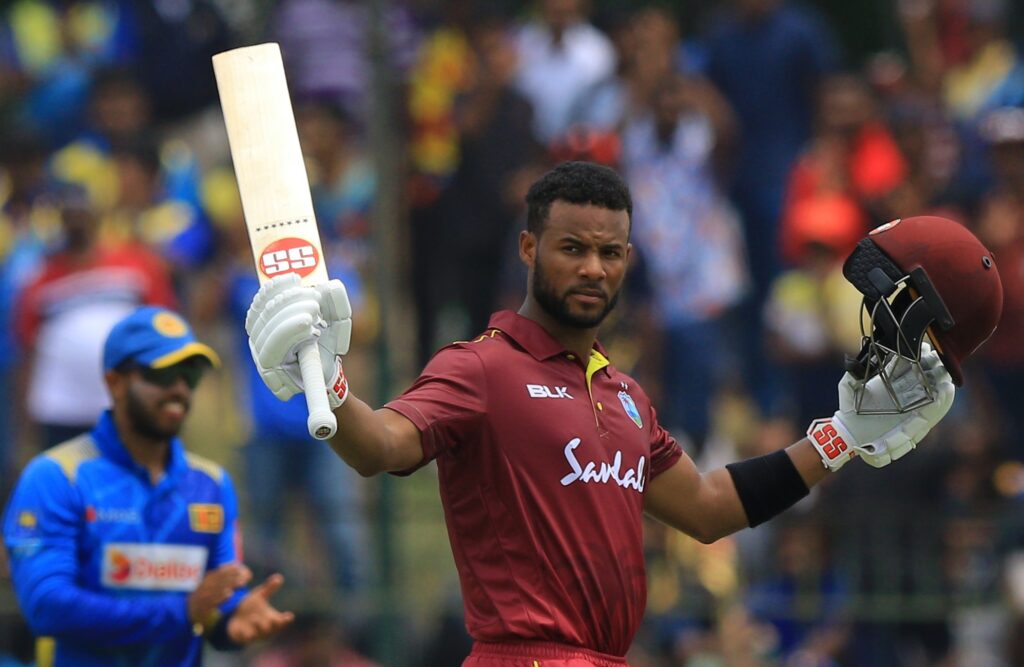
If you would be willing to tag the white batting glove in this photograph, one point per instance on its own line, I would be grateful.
(284, 315)
(880, 439)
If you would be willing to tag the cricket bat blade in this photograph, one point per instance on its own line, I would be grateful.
(274, 189)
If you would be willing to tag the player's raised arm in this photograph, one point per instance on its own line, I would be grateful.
(747, 493)
(283, 316)
(925, 280)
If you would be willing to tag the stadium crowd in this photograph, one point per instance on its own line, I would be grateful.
(759, 148)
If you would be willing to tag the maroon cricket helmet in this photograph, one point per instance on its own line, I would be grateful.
(923, 274)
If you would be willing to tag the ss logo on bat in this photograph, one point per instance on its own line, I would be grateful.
(289, 255)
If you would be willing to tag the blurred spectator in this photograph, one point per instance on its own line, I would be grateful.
(48, 52)
(852, 162)
(691, 242)
(479, 206)
(439, 76)
(144, 188)
(1001, 226)
(646, 43)
(476, 201)
(608, 102)
(768, 58)
(812, 312)
(342, 181)
(65, 312)
(120, 109)
(961, 50)
(146, 211)
(326, 48)
(560, 56)
(928, 140)
(807, 601)
(175, 43)
(441, 72)
(990, 72)
(29, 221)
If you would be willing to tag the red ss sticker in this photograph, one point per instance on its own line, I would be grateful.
(289, 255)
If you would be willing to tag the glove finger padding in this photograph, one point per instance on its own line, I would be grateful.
(337, 314)
(945, 392)
(267, 292)
(281, 383)
(290, 323)
(283, 316)
(883, 438)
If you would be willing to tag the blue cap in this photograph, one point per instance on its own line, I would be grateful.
(153, 337)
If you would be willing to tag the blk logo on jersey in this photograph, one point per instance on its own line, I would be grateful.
(543, 391)
(153, 567)
(630, 407)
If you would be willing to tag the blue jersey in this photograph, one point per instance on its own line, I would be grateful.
(103, 560)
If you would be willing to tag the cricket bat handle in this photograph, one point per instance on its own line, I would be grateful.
(321, 423)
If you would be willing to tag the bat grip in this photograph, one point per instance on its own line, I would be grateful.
(321, 423)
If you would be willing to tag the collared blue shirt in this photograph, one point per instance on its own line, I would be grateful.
(103, 560)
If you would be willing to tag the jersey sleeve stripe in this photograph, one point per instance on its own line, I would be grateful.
(73, 453)
(212, 470)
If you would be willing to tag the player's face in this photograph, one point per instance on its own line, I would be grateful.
(578, 263)
(157, 401)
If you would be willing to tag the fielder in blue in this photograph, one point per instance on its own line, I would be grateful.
(124, 546)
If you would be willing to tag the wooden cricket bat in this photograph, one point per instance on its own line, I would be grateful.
(274, 188)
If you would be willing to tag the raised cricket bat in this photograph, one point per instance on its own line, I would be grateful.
(274, 189)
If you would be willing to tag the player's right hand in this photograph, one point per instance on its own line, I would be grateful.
(283, 316)
(215, 589)
(880, 439)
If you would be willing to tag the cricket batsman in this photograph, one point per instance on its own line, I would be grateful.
(549, 456)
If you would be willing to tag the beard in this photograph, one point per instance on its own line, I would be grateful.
(557, 305)
(145, 423)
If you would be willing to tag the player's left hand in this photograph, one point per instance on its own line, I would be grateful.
(255, 618)
(283, 316)
(880, 439)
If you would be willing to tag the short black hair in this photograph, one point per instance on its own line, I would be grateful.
(576, 182)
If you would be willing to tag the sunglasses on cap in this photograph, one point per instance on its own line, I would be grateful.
(191, 371)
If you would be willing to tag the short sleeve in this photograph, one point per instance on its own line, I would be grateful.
(665, 450)
(446, 403)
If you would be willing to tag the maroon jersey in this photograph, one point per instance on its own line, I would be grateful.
(543, 461)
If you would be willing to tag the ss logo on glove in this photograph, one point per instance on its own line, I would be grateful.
(828, 440)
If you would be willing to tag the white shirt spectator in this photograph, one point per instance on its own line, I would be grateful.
(553, 75)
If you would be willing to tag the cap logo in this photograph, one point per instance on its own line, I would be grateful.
(169, 325)
(887, 226)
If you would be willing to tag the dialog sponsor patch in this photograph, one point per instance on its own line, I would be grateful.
(153, 567)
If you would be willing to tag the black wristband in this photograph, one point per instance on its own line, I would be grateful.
(767, 485)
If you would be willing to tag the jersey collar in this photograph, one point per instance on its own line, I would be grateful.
(107, 439)
(531, 336)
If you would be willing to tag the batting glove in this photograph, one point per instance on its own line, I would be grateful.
(880, 439)
(284, 315)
